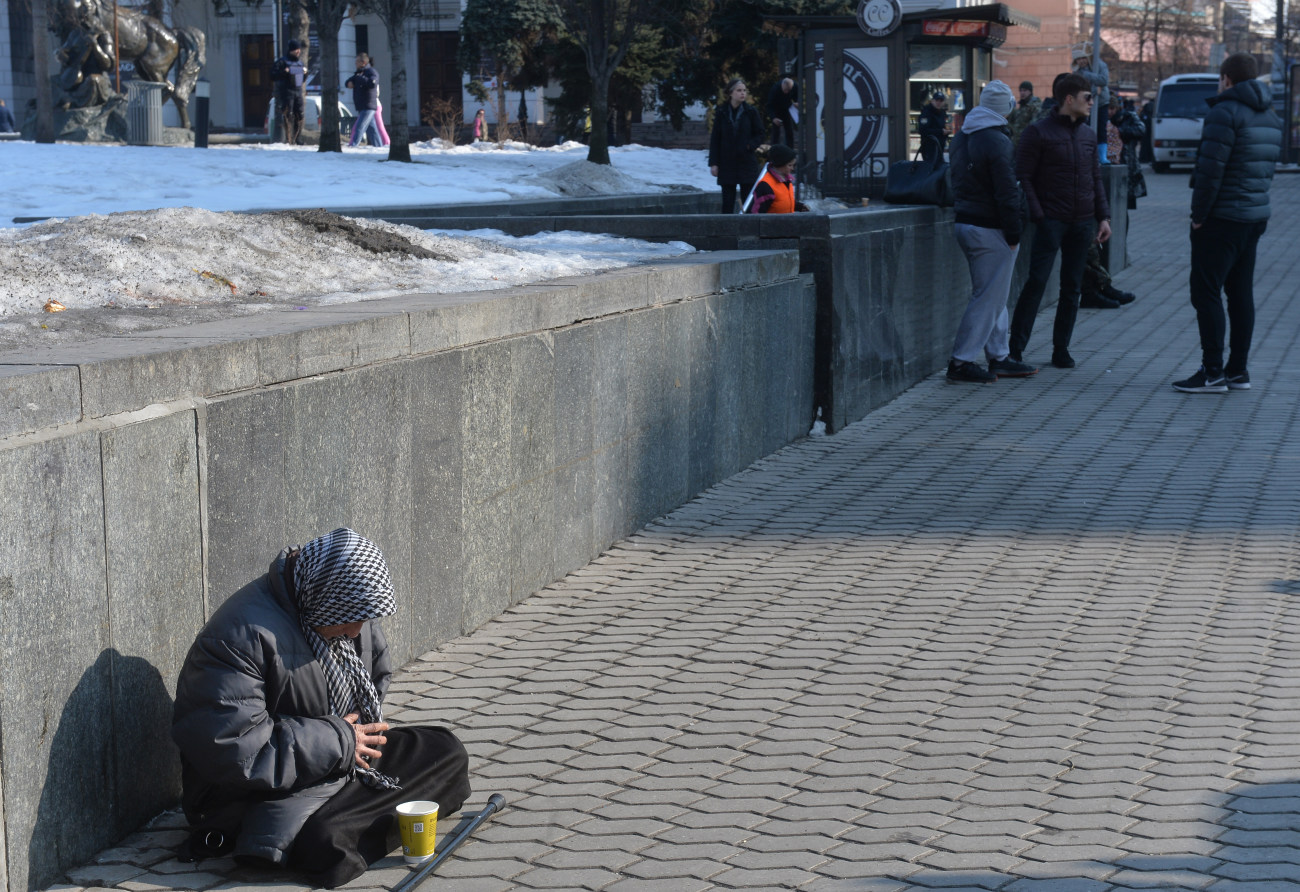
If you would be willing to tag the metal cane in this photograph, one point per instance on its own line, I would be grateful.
(495, 803)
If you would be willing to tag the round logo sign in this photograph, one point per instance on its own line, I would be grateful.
(879, 18)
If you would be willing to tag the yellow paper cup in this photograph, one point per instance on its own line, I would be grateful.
(418, 822)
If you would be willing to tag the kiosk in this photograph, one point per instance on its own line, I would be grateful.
(887, 63)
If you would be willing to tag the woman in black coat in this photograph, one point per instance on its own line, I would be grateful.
(737, 134)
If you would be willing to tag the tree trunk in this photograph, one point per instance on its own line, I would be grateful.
(400, 131)
(598, 146)
(300, 30)
(503, 128)
(44, 97)
(328, 32)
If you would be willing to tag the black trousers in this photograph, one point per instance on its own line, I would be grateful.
(786, 129)
(729, 197)
(356, 827)
(1223, 259)
(1072, 240)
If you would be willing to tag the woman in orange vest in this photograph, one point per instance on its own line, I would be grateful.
(774, 193)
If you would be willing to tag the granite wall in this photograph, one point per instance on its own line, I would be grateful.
(489, 443)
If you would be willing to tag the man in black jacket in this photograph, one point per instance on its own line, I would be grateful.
(289, 76)
(1058, 167)
(932, 127)
(780, 99)
(987, 203)
(1241, 142)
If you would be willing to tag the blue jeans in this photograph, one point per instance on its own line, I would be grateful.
(365, 118)
(1072, 240)
(1223, 259)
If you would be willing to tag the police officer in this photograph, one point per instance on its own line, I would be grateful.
(932, 126)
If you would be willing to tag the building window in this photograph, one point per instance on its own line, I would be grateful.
(363, 39)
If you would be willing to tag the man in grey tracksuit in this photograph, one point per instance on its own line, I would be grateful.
(1241, 142)
(989, 223)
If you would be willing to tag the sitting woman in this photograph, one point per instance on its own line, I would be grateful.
(285, 755)
(774, 193)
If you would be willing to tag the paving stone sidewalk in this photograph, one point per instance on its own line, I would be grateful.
(1038, 635)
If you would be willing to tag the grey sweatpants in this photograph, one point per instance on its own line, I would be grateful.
(984, 329)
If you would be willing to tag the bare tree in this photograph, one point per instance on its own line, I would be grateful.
(604, 30)
(395, 14)
(328, 16)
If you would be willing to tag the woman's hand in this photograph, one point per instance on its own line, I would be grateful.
(713, 171)
(369, 738)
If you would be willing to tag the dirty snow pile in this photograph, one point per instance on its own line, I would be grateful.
(108, 271)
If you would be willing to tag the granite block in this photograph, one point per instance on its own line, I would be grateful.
(486, 496)
(574, 393)
(56, 690)
(130, 372)
(155, 599)
(244, 454)
(701, 371)
(361, 340)
(437, 562)
(533, 432)
(573, 522)
(36, 397)
(728, 344)
(753, 374)
(348, 464)
(676, 383)
(646, 402)
(610, 430)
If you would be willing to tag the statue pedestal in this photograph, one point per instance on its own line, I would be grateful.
(100, 123)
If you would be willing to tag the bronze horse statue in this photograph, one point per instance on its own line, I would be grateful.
(86, 29)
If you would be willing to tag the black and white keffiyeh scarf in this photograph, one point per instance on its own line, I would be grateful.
(341, 578)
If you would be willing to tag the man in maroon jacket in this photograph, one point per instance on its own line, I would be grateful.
(1058, 168)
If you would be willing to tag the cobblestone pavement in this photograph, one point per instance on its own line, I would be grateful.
(1040, 635)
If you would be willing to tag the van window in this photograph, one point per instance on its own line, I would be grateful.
(1185, 100)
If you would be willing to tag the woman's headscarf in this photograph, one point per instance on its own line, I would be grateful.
(341, 578)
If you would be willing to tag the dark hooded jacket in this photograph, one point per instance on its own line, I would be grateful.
(1059, 169)
(733, 142)
(253, 722)
(1241, 143)
(365, 89)
(985, 191)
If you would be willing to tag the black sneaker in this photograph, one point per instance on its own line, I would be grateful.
(1204, 382)
(1010, 368)
(969, 373)
(1239, 381)
(1120, 297)
(1094, 301)
(1062, 359)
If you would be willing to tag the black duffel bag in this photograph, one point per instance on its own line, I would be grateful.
(919, 182)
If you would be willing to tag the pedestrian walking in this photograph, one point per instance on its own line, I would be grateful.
(1098, 75)
(1241, 143)
(774, 193)
(988, 206)
(7, 124)
(365, 98)
(1058, 167)
(480, 125)
(737, 135)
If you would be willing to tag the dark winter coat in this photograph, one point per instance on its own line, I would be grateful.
(1059, 169)
(252, 715)
(288, 75)
(985, 191)
(779, 101)
(365, 89)
(1241, 143)
(6, 120)
(733, 142)
(932, 125)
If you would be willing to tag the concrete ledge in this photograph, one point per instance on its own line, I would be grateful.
(107, 376)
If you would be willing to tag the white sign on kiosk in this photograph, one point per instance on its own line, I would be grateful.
(879, 18)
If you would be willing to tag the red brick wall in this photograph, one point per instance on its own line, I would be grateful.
(1038, 56)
